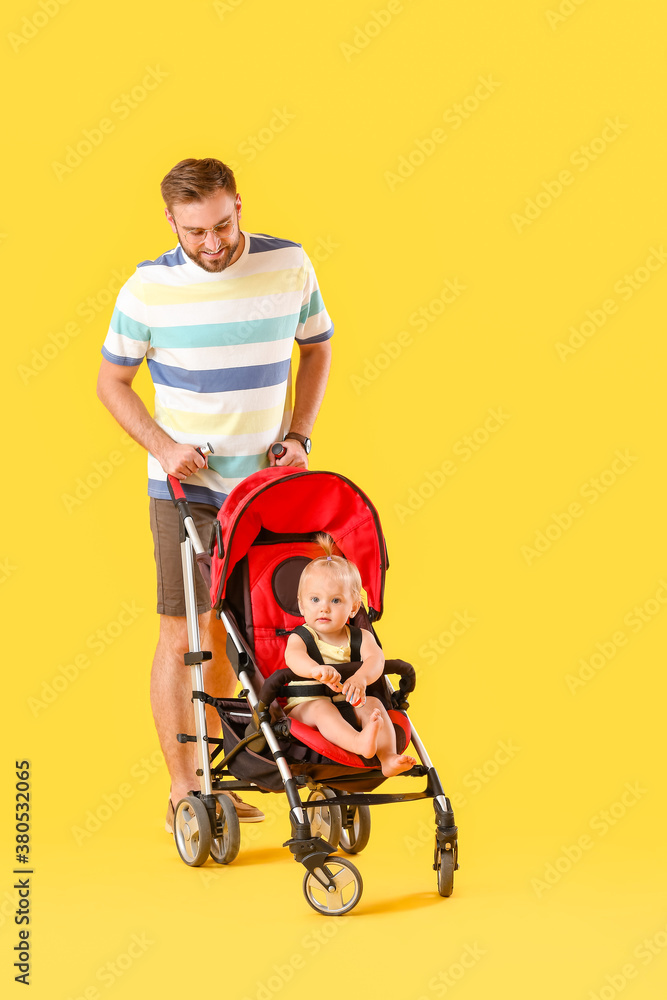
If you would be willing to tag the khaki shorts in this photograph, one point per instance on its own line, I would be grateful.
(164, 526)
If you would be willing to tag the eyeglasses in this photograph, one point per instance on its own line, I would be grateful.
(197, 236)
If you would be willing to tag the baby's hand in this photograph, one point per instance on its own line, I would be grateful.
(327, 675)
(354, 690)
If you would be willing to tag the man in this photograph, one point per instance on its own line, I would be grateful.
(216, 319)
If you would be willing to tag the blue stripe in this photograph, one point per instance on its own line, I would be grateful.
(237, 466)
(261, 243)
(245, 331)
(172, 258)
(128, 327)
(197, 494)
(319, 338)
(220, 379)
(116, 359)
(315, 306)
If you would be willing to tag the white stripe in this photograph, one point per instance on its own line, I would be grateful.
(226, 310)
(237, 444)
(313, 325)
(125, 347)
(230, 356)
(220, 402)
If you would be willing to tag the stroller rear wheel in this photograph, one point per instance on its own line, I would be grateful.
(192, 831)
(354, 837)
(445, 865)
(325, 821)
(344, 897)
(225, 844)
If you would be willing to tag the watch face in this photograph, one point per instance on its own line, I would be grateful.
(307, 445)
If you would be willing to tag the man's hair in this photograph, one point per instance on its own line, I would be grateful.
(194, 180)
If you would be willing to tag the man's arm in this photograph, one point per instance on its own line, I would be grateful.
(311, 381)
(114, 389)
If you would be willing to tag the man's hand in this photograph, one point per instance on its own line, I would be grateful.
(354, 690)
(295, 454)
(180, 460)
(327, 675)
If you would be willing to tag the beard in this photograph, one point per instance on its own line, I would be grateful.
(199, 258)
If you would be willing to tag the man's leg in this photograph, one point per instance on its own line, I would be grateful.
(171, 680)
(171, 693)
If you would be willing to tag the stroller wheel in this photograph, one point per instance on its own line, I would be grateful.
(225, 845)
(325, 821)
(192, 831)
(347, 893)
(445, 865)
(353, 838)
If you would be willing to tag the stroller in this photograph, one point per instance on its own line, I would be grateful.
(262, 539)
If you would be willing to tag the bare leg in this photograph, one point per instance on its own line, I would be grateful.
(392, 762)
(323, 716)
(171, 691)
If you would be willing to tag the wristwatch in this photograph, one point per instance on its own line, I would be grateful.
(304, 441)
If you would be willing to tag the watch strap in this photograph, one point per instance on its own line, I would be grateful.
(296, 437)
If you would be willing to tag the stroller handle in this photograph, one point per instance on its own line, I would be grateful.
(178, 496)
(278, 450)
(174, 484)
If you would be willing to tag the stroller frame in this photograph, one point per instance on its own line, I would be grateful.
(206, 823)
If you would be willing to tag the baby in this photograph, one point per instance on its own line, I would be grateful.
(330, 593)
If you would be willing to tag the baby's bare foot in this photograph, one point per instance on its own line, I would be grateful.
(367, 739)
(396, 764)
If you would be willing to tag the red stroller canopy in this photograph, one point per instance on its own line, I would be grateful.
(294, 501)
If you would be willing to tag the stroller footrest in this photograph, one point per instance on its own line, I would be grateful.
(311, 852)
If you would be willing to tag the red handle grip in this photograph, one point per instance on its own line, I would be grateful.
(175, 488)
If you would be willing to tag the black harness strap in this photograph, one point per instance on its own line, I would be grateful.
(296, 690)
(313, 651)
(355, 644)
(311, 645)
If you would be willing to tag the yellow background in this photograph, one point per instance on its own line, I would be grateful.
(355, 97)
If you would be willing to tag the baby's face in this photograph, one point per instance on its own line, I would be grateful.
(325, 604)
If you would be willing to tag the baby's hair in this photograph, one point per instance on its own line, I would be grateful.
(341, 569)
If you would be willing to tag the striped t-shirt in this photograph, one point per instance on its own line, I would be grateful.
(218, 347)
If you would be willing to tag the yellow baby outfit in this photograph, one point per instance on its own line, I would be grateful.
(331, 656)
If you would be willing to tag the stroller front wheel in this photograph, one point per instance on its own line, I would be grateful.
(344, 897)
(445, 865)
(192, 831)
